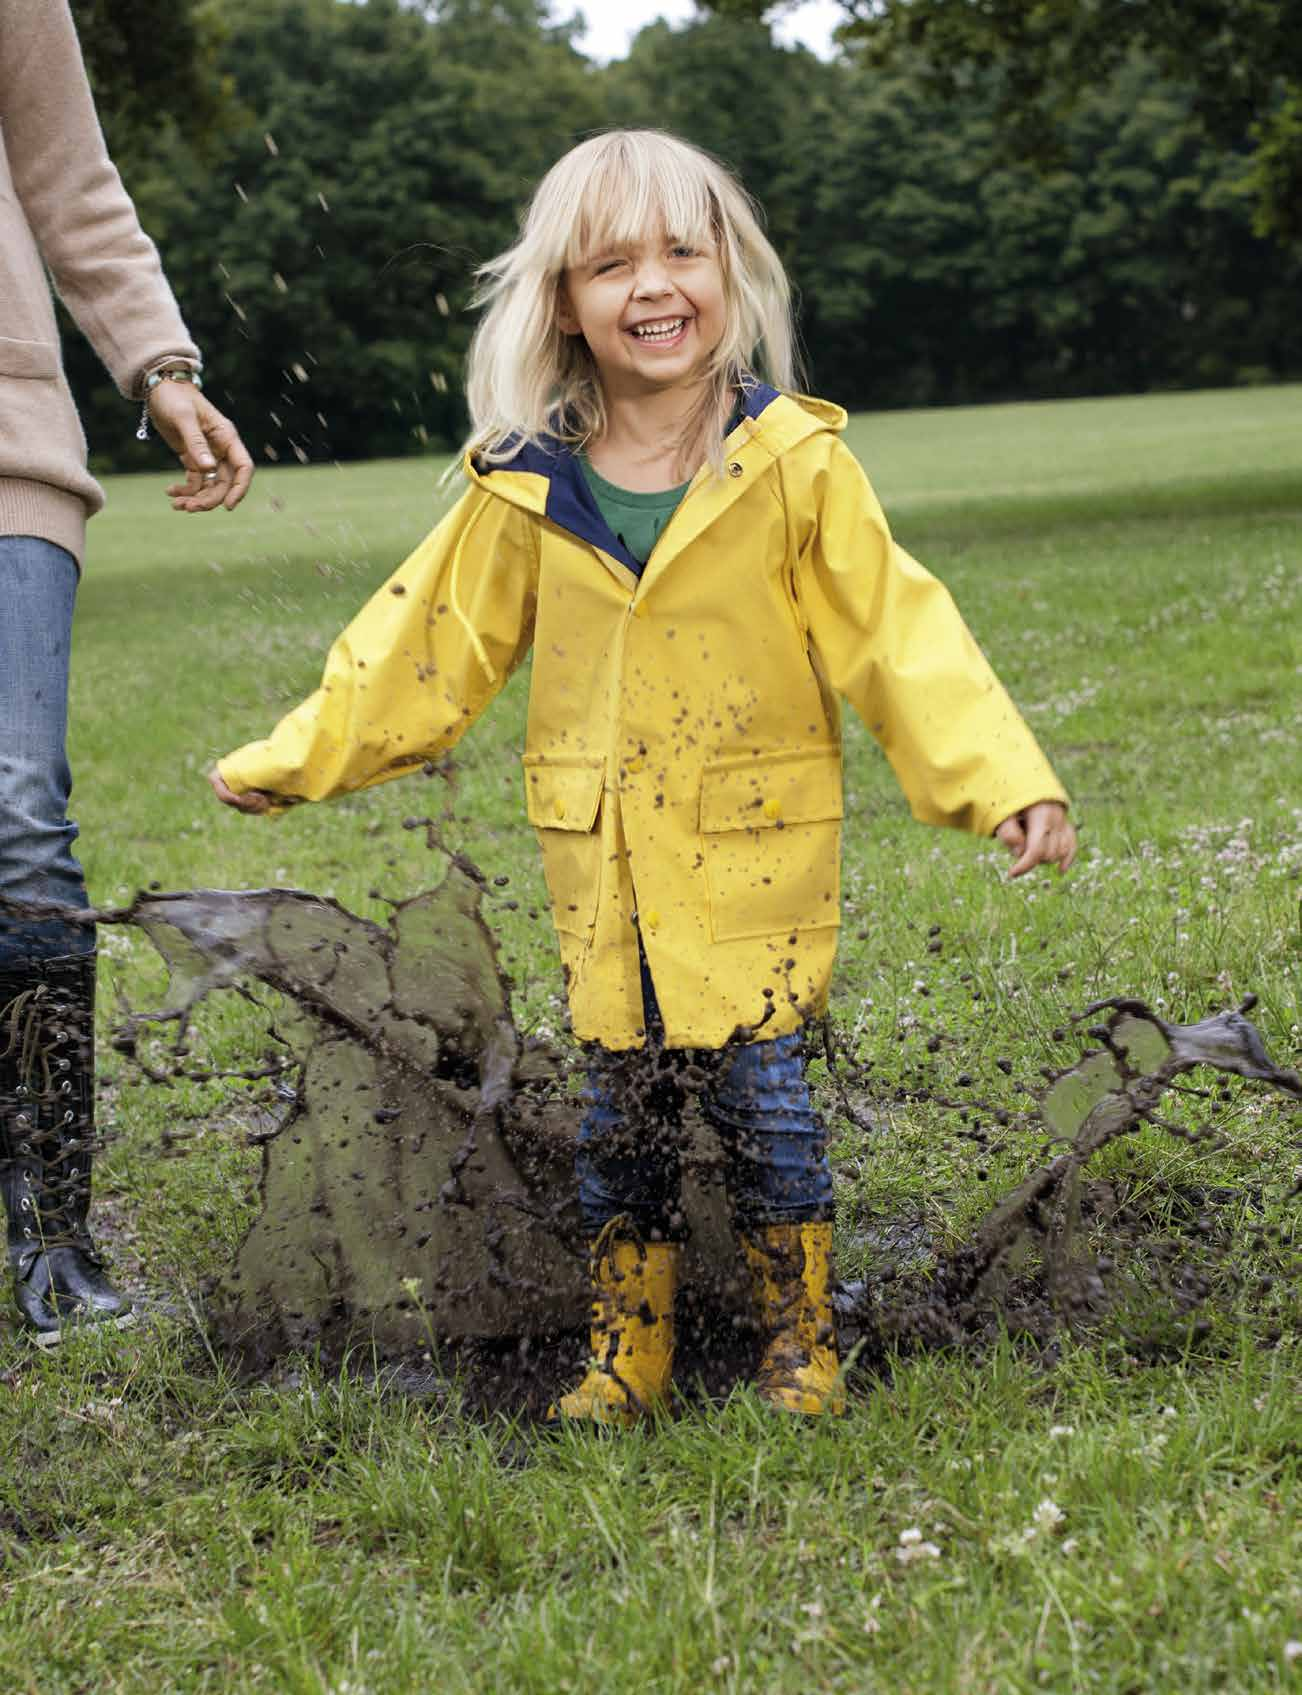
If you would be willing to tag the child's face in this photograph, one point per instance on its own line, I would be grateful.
(651, 313)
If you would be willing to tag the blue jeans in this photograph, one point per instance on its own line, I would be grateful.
(628, 1158)
(38, 586)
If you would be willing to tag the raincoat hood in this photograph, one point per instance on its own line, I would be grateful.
(544, 478)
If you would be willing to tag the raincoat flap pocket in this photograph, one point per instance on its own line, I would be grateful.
(38, 361)
(770, 790)
(563, 793)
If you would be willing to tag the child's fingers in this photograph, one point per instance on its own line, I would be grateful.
(1011, 833)
(1013, 836)
(254, 800)
(1050, 839)
(1067, 845)
(1027, 861)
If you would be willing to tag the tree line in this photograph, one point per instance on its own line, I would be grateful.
(330, 174)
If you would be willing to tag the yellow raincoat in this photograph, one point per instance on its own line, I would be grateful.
(682, 763)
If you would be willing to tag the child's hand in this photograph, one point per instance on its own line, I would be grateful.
(254, 801)
(1040, 835)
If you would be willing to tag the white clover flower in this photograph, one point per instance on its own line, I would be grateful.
(1048, 1515)
(1062, 1430)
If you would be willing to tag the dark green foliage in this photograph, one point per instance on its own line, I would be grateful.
(946, 272)
(151, 62)
(1240, 59)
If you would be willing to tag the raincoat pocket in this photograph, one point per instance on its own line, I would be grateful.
(771, 839)
(563, 796)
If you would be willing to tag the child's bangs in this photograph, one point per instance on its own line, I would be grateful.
(640, 187)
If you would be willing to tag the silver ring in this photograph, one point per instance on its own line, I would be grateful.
(210, 476)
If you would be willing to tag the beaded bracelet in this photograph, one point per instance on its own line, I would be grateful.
(179, 375)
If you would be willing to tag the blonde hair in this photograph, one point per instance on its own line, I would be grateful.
(527, 380)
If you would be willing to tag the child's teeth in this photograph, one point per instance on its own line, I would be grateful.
(662, 332)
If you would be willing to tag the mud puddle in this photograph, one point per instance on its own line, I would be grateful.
(416, 1190)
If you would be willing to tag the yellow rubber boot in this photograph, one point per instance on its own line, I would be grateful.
(791, 1272)
(632, 1338)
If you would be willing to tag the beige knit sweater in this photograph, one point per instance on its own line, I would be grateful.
(63, 209)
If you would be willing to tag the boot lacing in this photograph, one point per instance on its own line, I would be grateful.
(22, 1016)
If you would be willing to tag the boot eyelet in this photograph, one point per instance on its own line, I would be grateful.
(23, 1121)
(65, 1088)
(69, 1116)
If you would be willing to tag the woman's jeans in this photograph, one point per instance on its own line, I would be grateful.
(38, 585)
(755, 1097)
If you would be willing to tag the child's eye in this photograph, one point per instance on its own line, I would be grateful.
(604, 265)
(682, 250)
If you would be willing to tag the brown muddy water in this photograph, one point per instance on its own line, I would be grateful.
(417, 1194)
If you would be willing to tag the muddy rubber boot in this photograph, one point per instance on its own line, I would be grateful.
(790, 1266)
(47, 1133)
(632, 1338)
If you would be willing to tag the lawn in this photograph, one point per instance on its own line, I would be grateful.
(1119, 1513)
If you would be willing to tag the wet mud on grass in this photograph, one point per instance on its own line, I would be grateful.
(414, 1201)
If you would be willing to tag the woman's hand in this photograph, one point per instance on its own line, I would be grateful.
(253, 800)
(216, 462)
(1040, 835)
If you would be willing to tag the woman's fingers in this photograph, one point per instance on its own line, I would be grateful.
(216, 462)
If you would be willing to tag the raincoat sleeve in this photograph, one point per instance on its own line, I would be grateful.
(891, 640)
(415, 668)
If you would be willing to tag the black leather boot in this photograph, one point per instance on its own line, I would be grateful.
(47, 1135)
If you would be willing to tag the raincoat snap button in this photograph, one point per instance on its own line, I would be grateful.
(652, 920)
(734, 468)
(772, 808)
(558, 807)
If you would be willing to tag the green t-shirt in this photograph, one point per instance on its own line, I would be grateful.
(637, 519)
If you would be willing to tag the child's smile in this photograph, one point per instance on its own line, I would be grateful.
(651, 313)
(660, 332)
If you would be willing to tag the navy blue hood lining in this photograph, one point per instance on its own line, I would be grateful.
(570, 502)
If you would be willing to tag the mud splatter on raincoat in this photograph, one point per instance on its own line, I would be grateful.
(682, 765)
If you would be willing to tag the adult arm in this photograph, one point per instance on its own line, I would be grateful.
(104, 266)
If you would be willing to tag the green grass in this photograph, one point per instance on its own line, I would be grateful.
(1131, 567)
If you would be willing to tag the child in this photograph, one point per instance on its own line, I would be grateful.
(700, 567)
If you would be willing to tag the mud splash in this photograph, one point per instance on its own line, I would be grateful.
(1046, 1221)
(420, 1184)
(417, 1188)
